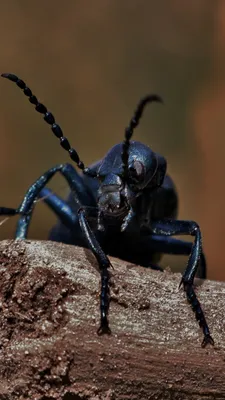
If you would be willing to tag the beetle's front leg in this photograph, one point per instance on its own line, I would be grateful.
(170, 245)
(173, 227)
(63, 211)
(104, 264)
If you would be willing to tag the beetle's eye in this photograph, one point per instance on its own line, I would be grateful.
(137, 171)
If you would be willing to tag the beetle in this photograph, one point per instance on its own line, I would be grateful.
(124, 205)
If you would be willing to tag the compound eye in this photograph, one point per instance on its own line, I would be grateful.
(137, 172)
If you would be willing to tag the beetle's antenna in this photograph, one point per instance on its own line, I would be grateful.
(133, 124)
(50, 119)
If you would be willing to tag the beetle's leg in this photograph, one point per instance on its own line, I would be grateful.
(169, 245)
(26, 209)
(68, 228)
(102, 259)
(60, 207)
(104, 264)
(76, 184)
(173, 227)
(8, 211)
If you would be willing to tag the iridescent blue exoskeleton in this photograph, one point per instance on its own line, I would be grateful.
(124, 205)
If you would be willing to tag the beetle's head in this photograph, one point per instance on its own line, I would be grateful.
(119, 189)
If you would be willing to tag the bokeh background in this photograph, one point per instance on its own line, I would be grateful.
(90, 62)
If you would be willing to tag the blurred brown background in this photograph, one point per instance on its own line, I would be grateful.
(90, 62)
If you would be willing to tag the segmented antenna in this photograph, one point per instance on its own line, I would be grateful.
(50, 119)
(133, 124)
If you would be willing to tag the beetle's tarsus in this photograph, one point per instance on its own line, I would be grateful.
(104, 328)
(207, 340)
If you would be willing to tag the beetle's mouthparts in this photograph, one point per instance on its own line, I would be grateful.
(113, 203)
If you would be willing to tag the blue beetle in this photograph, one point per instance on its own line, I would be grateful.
(125, 205)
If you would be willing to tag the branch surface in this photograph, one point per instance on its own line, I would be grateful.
(49, 315)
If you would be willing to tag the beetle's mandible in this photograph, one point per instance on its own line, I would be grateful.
(124, 205)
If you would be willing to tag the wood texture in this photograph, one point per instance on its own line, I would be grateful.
(49, 315)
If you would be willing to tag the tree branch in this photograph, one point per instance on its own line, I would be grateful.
(49, 315)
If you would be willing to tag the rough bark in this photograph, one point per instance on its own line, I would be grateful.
(49, 315)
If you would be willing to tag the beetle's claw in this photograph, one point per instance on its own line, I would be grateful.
(104, 328)
(207, 340)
